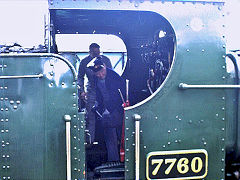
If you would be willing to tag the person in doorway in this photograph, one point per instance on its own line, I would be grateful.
(109, 87)
(89, 96)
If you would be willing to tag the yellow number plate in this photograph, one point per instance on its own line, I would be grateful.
(182, 164)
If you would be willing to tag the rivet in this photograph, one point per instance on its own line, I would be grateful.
(75, 169)
(1, 109)
(126, 139)
(144, 147)
(51, 73)
(223, 129)
(1, 99)
(190, 121)
(217, 115)
(75, 137)
(75, 126)
(223, 108)
(188, 50)
(156, 117)
(176, 141)
(15, 106)
(4, 65)
(169, 143)
(223, 119)
(223, 56)
(11, 102)
(222, 150)
(126, 117)
(223, 67)
(8, 167)
(127, 129)
(222, 170)
(75, 158)
(74, 115)
(3, 145)
(4, 167)
(18, 102)
(81, 127)
(176, 117)
(224, 46)
(74, 94)
(175, 129)
(6, 120)
(205, 143)
(6, 130)
(223, 77)
(133, 132)
(2, 120)
(7, 156)
(75, 148)
(164, 146)
(127, 170)
(2, 131)
(127, 149)
(169, 131)
(127, 160)
(6, 98)
(223, 139)
(179, 140)
(74, 105)
(203, 139)
(223, 98)
(222, 160)
(2, 141)
(141, 131)
(3, 156)
(133, 144)
(6, 109)
(74, 83)
(1, 87)
(5, 87)
(203, 50)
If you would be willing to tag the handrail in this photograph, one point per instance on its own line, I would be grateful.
(67, 119)
(45, 55)
(22, 76)
(137, 118)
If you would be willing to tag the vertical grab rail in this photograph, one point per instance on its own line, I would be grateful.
(137, 118)
(67, 119)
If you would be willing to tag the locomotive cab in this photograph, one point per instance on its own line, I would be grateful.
(146, 58)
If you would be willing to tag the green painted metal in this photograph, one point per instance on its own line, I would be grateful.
(59, 4)
(175, 119)
(32, 118)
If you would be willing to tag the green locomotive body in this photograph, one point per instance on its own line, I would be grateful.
(184, 127)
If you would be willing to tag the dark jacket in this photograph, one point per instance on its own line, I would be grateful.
(113, 82)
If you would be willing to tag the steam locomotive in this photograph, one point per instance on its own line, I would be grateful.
(183, 91)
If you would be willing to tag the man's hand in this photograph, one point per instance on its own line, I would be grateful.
(83, 96)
